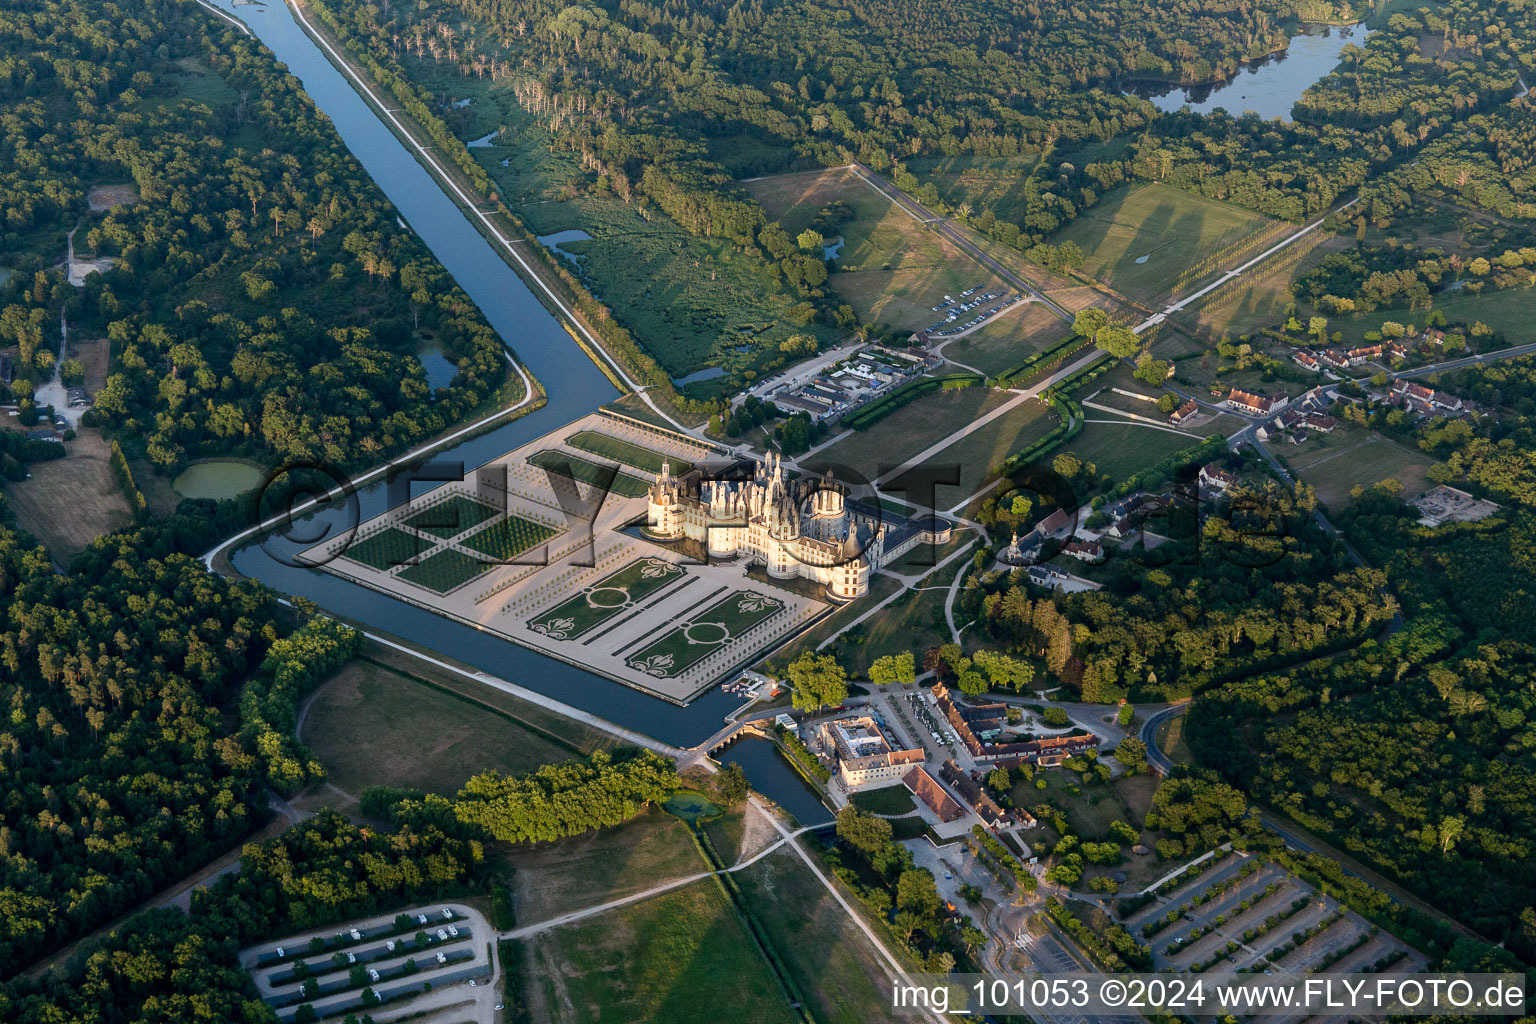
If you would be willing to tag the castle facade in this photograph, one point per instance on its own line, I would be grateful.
(793, 529)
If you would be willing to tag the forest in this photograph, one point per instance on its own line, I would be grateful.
(1415, 749)
(1257, 583)
(263, 300)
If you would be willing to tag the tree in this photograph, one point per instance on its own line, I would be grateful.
(818, 681)
(731, 784)
(1132, 753)
(810, 241)
(1056, 718)
(1124, 716)
(893, 668)
(862, 830)
(1089, 322)
(1120, 342)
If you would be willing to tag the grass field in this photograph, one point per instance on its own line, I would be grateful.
(609, 596)
(606, 864)
(1007, 342)
(891, 269)
(1260, 301)
(986, 183)
(1119, 450)
(370, 726)
(974, 456)
(830, 960)
(886, 800)
(509, 537)
(905, 432)
(446, 570)
(451, 517)
(582, 471)
(684, 956)
(708, 631)
(1512, 311)
(615, 450)
(1140, 240)
(388, 548)
(1336, 463)
(69, 502)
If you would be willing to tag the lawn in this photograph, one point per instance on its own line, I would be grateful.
(1118, 450)
(913, 622)
(708, 631)
(863, 454)
(830, 960)
(371, 726)
(1009, 340)
(886, 800)
(447, 570)
(608, 597)
(451, 517)
(615, 450)
(388, 548)
(1142, 239)
(582, 471)
(684, 956)
(1336, 463)
(509, 537)
(971, 459)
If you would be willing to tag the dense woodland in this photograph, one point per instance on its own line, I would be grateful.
(264, 300)
(1256, 583)
(1416, 750)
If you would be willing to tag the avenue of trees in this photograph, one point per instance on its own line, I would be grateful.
(264, 301)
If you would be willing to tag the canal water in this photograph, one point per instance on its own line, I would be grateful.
(1269, 87)
(775, 777)
(574, 384)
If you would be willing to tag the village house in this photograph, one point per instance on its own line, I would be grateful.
(1084, 551)
(1255, 404)
(1215, 478)
(971, 791)
(1184, 412)
(1307, 361)
(1425, 401)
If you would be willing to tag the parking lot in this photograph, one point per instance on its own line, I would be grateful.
(424, 950)
(1250, 914)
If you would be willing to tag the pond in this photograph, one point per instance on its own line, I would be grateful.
(1269, 87)
(6, 273)
(219, 479)
(708, 373)
(554, 241)
(775, 778)
(484, 141)
(440, 369)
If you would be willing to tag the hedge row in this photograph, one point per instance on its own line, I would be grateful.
(877, 410)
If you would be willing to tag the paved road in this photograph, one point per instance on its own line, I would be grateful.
(1457, 364)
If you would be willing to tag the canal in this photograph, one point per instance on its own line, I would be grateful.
(574, 384)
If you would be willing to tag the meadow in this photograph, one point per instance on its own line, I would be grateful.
(370, 726)
(1142, 239)
(681, 957)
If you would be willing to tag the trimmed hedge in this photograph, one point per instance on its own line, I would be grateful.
(861, 419)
